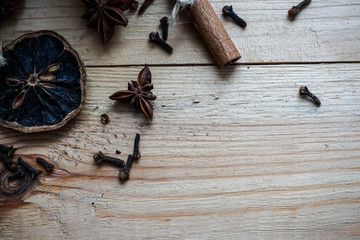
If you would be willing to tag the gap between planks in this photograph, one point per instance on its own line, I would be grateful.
(214, 65)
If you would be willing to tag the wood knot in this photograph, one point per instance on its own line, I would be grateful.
(16, 187)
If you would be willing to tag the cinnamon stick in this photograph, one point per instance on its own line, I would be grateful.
(217, 40)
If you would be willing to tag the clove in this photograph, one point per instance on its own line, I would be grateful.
(10, 164)
(101, 158)
(48, 166)
(165, 27)
(134, 5)
(155, 38)
(296, 9)
(144, 6)
(136, 152)
(124, 172)
(18, 174)
(105, 119)
(305, 92)
(34, 172)
(228, 11)
(9, 151)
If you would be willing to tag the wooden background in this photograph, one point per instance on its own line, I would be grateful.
(232, 153)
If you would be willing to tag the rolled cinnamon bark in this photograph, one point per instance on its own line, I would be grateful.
(217, 40)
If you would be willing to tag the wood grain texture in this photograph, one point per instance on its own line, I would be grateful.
(326, 31)
(250, 160)
(231, 154)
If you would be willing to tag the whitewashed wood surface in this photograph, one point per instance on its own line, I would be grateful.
(232, 153)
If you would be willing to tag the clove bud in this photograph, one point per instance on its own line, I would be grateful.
(34, 172)
(155, 38)
(10, 164)
(101, 158)
(165, 27)
(295, 10)
(303, 90)
(48, 166)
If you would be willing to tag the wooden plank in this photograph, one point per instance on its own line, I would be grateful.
(251, 160)
(326, 31)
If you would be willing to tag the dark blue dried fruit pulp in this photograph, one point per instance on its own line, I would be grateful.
(43, 84)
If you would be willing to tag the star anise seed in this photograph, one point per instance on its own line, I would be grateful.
(35, 80)
(139, 93)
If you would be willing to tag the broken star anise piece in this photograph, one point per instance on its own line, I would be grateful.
(105, 15)
(139, 93)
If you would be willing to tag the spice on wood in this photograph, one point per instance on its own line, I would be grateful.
(144, 6)
(139, 93)
(101, 158)
(19, 174)
(136, 152)
(105, 15)
(124, 172)
(165, 27)
(105, 119)
(44, 85)
(228, 11)
(45, 164)
(134, 5)
(155, 38)
(304, 91)
(295, 10)
(9, 163)
(9, 151)
(34, 172)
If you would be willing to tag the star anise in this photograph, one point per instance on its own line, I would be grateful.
(106, 14)
(139, 93)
